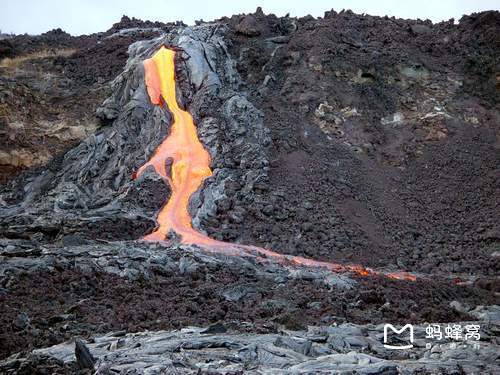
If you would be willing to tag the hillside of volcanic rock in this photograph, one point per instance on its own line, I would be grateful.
(255, 175)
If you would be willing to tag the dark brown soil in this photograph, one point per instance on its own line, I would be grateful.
(47, 308)
(421, 195)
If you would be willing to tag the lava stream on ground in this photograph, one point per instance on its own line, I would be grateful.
(190, 166)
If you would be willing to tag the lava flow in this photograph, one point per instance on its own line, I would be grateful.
(189, 165)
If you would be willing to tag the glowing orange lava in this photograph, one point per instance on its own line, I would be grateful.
(189, 166)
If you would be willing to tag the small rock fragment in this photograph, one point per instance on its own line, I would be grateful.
(84, 358)
(248, 26)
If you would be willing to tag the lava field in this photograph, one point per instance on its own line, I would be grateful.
(251, 195)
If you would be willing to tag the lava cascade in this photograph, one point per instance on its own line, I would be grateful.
(184, 164)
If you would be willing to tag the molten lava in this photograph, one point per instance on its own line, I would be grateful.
(189, 160)
(189, 165)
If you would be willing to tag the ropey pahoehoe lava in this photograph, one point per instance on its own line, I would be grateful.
(184, 164)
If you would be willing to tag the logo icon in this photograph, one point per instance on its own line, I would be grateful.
(408, 327)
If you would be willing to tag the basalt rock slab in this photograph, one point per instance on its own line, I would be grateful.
(192, 351)
(138, 260)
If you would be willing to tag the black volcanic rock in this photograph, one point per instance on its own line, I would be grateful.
(135, 23)
(84, 358)
(6, 48)
(248, 26)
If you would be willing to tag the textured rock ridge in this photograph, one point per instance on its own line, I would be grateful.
(318, 350)
(93, 185)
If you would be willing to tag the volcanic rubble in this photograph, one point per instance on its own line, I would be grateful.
(347, 138)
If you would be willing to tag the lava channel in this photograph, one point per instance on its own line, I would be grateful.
(189, 166)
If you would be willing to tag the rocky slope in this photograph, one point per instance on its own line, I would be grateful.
(345, 138)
